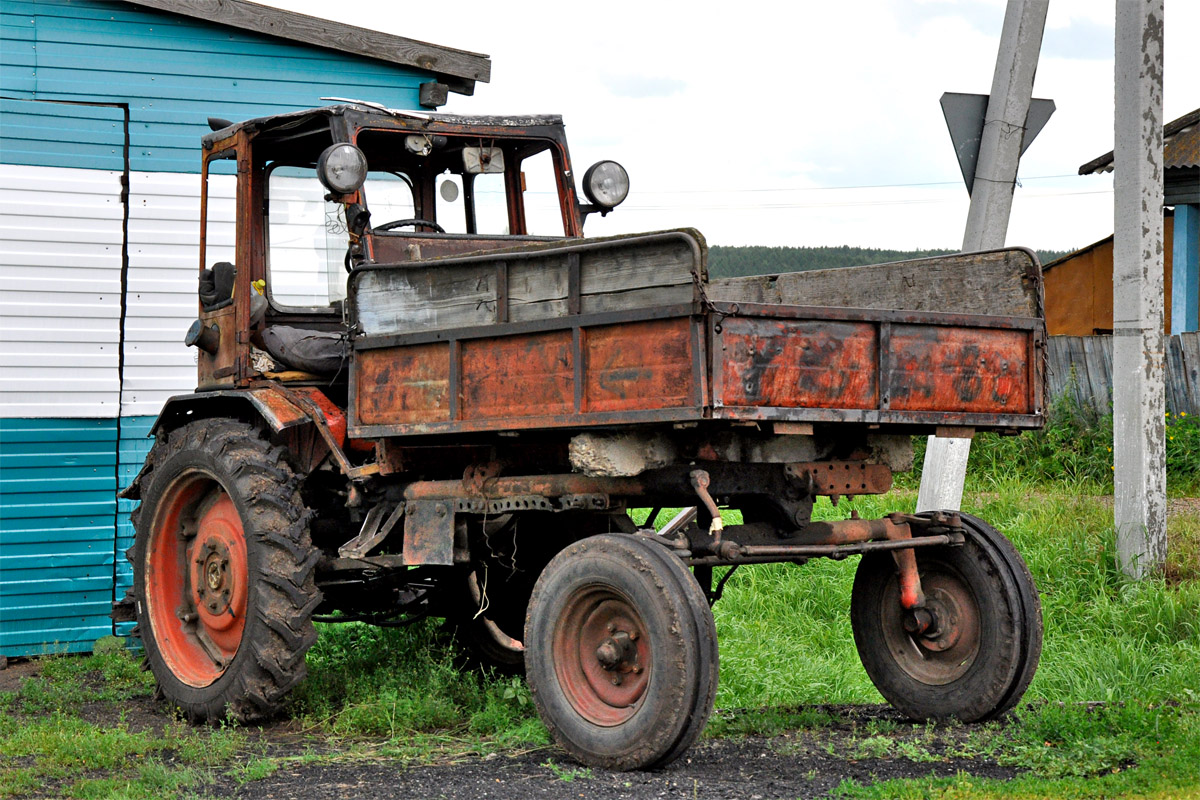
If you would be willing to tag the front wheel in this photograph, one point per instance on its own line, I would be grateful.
(979, 656)
(621, 653)
(223, 571)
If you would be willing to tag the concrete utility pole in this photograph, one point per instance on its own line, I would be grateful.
(945, 466)
(1139, 405)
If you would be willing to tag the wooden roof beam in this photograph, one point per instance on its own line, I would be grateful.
(458, 69)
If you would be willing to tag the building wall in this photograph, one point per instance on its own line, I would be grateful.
(1079, 289)
(100, 99)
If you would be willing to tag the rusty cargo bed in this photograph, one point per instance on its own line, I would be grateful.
(582, 334)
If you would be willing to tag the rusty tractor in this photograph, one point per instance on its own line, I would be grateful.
(423, 393)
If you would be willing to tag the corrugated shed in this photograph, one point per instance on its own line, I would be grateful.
(60, 291)
(173, 72)
(57, 504)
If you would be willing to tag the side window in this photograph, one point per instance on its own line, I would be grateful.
(543, 217)
(491, 204)
(220, 227)
(307, 240)
(389, 197)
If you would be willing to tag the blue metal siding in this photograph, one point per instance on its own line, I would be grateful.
(173, 72)
(33, 133)
(58, 479)
(134, 445)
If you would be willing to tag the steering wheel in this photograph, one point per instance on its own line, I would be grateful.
(404, 223)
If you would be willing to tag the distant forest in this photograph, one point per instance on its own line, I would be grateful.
(732, 262)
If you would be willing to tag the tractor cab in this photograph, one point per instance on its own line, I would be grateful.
(323, 192)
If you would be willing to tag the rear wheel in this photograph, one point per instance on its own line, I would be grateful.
(621, 653)
(976, 660)
(223, 571)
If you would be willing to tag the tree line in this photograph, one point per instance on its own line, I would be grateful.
(733, 262)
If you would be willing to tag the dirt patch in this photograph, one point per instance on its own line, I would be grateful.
(857, 743)
(791, 766)
(15, 671)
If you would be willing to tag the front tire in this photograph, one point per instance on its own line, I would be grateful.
(977, 661)
(621, 653)
(223, 569)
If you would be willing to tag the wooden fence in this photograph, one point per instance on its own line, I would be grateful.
(1081, 366)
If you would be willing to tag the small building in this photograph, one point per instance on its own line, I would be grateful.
(1079, 286)
(102, 105)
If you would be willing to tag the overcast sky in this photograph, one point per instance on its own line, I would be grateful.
(798, 123)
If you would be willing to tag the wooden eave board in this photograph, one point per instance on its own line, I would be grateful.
(461, 64)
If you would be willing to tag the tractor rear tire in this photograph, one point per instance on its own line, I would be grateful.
(223, 571)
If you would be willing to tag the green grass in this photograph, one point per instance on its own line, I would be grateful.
(50, 746)
(786, 650)
(1074, 453)
(403, 688)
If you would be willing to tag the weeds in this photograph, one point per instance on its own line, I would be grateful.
(567, 774)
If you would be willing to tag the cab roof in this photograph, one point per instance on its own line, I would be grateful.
(299, 122)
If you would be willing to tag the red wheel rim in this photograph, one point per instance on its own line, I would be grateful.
(602, 655)
(945, 653)
(197, 579)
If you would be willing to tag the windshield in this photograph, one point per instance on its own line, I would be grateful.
(426, 195)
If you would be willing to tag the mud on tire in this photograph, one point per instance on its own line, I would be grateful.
(223, 571)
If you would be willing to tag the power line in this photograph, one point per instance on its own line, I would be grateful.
(843, 204)
(839, 188)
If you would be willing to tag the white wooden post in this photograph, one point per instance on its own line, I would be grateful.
(1139, 404)
(945, 467)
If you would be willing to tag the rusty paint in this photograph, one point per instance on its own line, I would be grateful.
(429, 532)
(537, 485)
(784, 364)
(518, 376)
(638, 366)
(959, 369)
(843, 478)
(403, 385)
(799, 363)
(334, 418)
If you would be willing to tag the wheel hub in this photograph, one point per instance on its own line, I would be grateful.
(618, 652)
(938, 642)
(944, 629)
(213, 580)
(603, 659)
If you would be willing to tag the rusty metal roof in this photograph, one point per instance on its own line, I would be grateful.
(1181, 146)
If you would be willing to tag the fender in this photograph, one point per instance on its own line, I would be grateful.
(313, 426)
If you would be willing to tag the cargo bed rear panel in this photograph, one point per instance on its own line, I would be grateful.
(626, 331)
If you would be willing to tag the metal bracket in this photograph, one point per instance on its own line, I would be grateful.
(372, 533)
(429, 532)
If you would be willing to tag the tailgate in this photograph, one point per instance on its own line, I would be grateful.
(795, 363)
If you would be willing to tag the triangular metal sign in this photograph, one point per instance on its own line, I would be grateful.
(964, 117)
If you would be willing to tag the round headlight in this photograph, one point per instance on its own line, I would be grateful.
(606, 183)
(342, 168)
